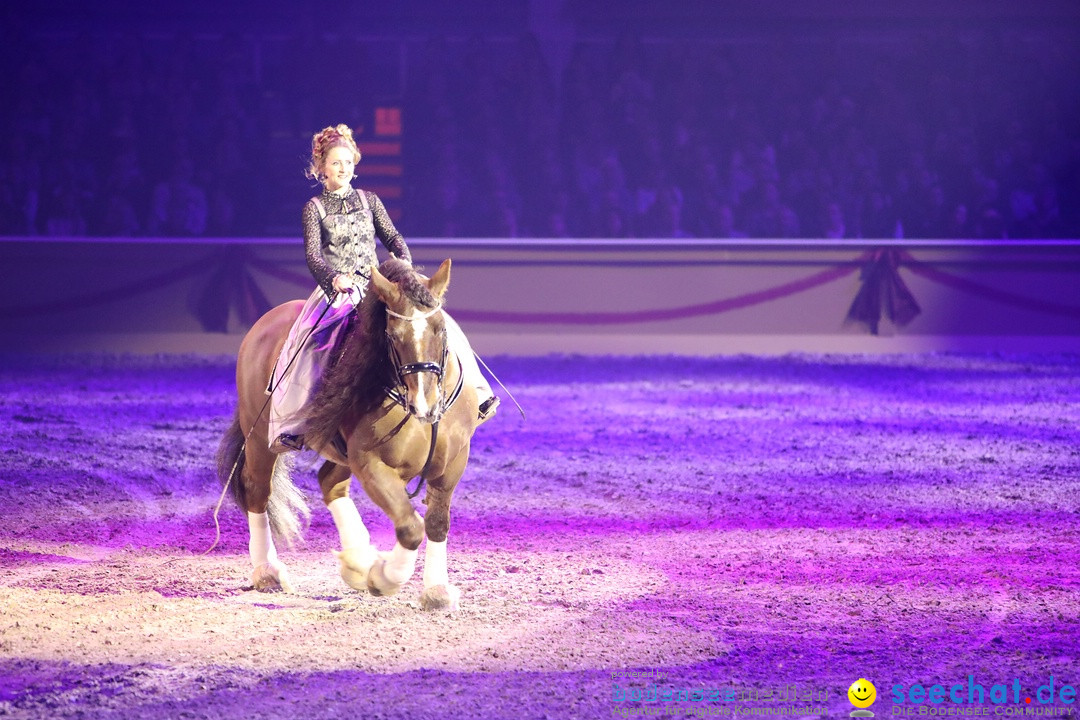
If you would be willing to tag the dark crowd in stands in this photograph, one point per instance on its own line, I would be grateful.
(909, 133)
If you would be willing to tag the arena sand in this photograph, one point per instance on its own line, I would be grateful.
(768, 530)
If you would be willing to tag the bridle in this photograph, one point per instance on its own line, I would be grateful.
(399, 393)
(401, 371)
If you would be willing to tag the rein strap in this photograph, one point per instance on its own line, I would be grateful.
(427, 463)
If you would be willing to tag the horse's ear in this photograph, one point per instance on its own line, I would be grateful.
(383, 287)
(440, 280)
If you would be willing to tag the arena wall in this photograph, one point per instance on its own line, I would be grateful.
(535, 297)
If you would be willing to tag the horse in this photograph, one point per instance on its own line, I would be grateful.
(391, 407)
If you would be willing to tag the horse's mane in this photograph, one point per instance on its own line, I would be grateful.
(360, 373)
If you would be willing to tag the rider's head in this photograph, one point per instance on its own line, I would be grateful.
(323, 142)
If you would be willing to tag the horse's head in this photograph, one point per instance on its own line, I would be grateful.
(416, 335)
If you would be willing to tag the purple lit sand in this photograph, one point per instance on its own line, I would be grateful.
(746, 522)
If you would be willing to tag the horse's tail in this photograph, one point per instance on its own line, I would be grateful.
(287, 503)
(230, 459)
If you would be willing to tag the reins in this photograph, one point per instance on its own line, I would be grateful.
(423, 470)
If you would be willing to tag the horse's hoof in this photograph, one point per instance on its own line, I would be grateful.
(355, 564)
(440, 597)
(377, 583)
(271, 578)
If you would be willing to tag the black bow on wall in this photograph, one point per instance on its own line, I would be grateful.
(883, 291)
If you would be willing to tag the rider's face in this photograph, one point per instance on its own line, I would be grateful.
(338, 168)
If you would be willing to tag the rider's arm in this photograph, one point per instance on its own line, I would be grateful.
(384, 228)
(320, 269)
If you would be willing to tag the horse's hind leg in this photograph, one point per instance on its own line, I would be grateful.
(438, 593)
(357, 553)
(268, 572)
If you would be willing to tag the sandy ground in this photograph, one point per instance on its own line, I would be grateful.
(743, 524)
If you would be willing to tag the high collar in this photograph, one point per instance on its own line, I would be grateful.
(348, 196)
(341, 192)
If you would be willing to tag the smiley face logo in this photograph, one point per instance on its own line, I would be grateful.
(862, 693)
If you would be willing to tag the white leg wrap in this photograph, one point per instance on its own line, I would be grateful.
(400, 564)
(260, 542)
(435, 564)
(350, 526)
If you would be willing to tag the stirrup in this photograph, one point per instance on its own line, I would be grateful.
(488, 408)
(286, 442)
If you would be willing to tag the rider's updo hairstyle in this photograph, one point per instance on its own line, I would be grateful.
(326, 140)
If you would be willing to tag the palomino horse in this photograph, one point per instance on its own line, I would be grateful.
(392, 406)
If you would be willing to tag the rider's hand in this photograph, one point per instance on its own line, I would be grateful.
(343, 283)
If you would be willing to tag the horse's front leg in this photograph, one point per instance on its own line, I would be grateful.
(392, 570)
(438, 593)
(357, 553)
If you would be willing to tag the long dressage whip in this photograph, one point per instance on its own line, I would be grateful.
(496, 377)
(269, 397)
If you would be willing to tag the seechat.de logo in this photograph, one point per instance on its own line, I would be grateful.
(862, 695)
